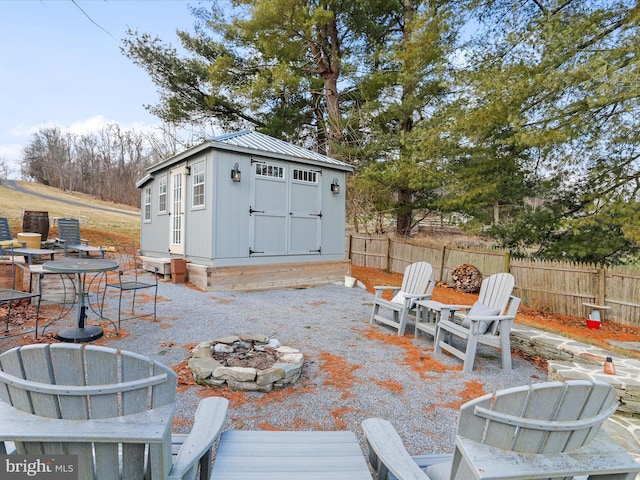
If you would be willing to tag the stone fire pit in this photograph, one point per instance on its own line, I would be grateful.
(246, 362)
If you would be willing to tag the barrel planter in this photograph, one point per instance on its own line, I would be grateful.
(36, 222)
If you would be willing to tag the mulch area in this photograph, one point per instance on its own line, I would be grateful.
(567, 326)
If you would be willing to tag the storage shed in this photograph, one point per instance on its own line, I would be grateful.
(247, 211)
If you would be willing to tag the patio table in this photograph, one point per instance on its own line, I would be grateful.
(80, 267)
(29, 253)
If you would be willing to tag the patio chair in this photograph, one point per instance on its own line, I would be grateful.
(486, 322)
(6, 239)
(416, 285)
(131, 278)
(547, 430)
(15, 293)
(70, 239)
(495, 294)
(111, 408)
(495, 291)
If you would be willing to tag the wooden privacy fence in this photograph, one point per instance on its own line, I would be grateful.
(558, 287)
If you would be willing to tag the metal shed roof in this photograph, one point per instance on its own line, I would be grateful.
(249, 141)
(265, 143)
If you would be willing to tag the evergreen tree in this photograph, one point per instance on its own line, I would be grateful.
(549, 87)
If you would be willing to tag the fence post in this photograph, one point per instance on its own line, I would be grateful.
(443, 252)
(601, 286)
(507, 262)
(388, 255)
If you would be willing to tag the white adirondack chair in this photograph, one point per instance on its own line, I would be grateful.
(471, 334)
(494, 293)
(110, 407)
(548, 430)
(416, 285)
(487, 322)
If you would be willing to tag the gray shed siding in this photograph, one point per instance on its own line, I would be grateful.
(198, 226)
(231, 222)
(267, 217)
(154, 233)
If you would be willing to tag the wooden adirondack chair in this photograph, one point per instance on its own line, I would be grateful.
(494, 293)
(487, 322)
(471, 334)
(71, 240)
(112, 408)
(548, 430)
(416, 285)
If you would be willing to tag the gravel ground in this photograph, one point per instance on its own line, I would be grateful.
(351, 372)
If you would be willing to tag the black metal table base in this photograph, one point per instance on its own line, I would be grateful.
(77, 334)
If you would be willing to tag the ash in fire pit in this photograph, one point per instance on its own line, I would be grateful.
(244, 353)
(246, 362)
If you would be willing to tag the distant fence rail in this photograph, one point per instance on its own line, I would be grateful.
(555, 286)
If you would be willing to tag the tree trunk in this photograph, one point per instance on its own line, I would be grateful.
(333, 111)
(405, 197)
(325, 49)
(405, 213)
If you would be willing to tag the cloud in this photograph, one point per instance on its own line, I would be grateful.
(81, 127)
(98, 122)
(89, 125)
(10, 150)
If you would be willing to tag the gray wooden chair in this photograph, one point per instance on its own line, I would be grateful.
(71, 240)
(112, 408)
(547, 430)
(472, 333)
(494, 295)
(487, 322)
(416, 285)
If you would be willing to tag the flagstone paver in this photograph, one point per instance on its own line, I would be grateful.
(568, 360)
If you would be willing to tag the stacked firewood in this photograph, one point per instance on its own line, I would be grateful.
(466, 278)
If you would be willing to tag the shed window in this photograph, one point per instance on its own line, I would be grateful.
(162, 194)
(197, 174)
(308, 176)
(266, 170)
(146, 207)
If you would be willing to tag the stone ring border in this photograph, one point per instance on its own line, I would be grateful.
(210, 372)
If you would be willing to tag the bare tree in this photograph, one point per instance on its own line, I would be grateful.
(105, 164)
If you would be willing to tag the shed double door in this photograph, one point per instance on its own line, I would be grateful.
(286, 210)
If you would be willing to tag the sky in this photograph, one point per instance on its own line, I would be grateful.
(60, 64)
